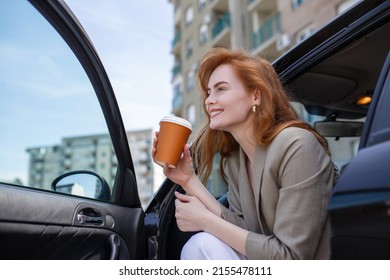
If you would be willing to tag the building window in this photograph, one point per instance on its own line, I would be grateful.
(346, 5)
(190, 80)
(176, 69)
(177, 95)
(189, 15)
(203, 34)
(189, 48)
(296, 3)
(202, 4)
(191, 113)
(304, 33)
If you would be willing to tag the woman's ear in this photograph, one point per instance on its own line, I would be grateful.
(256, 97)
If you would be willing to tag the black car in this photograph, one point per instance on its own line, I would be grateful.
(85, 214)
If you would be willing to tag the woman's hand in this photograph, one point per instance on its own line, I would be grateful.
(191, 214)
(184, 170)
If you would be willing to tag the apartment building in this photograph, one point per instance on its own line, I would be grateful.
(95, 153)
(140, 142)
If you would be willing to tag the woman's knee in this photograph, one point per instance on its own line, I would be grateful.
(196, 246)
(204, 246)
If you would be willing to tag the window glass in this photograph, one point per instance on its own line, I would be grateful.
(191, 113)
(190, 80)
(305, 33)
(346, 5)
(202, 4)
(343, 149)
(203, 34)
(189, 48)
(189, 15)
(296, 3)
(177, 93)
(380, 123)
(50, 118)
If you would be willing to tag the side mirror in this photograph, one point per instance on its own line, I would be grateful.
(82, 183)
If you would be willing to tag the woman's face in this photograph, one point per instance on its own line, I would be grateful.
(228, 104)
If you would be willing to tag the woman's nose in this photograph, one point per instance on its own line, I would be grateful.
(210, 99)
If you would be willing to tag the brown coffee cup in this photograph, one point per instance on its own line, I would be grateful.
(173, 135)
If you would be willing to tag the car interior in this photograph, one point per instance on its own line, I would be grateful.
(338, 90)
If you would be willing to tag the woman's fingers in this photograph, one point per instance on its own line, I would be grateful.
(154, 144)
(182, 197)
(186, 153)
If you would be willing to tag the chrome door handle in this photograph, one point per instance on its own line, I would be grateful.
(85, 219)
(90, 216)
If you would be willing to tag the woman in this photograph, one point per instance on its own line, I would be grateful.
(278, 169)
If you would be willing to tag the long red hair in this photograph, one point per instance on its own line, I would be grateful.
(274, 113)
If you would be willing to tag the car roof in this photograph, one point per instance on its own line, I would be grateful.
(331, 69)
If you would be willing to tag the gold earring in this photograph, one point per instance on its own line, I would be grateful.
(254, 108)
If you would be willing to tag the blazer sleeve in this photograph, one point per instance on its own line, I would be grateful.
(233, 214)
(302, 175)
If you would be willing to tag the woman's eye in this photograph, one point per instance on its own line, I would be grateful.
(217, 90)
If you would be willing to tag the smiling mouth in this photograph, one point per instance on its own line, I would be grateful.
(215, 113)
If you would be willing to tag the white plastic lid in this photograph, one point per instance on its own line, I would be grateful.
(178, 120)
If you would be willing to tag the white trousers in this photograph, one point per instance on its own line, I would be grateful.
(204, 246)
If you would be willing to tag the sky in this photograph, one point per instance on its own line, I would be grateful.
(132, 38)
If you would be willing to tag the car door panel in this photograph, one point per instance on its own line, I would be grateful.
(41, 225)
(53, 242)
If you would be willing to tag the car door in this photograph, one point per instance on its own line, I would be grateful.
(67, 183)
(359, 209)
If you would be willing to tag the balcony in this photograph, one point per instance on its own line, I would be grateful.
(177, 102)
(175, 71)
(264, 6)
(178, 14)
(222, 23)
(267, 31)
(219, 5)
(176, 42)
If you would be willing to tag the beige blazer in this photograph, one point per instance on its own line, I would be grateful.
(286, 213)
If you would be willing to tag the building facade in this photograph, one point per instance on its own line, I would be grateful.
(94, 153)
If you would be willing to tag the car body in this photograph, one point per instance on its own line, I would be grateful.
(326, 73)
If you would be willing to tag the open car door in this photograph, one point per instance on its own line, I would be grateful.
(62, 195)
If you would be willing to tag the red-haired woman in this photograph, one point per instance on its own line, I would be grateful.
(278, 169)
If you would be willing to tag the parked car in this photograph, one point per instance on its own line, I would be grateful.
(97, 213)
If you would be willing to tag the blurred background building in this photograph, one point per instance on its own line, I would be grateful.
(267, 28)
(93, 153)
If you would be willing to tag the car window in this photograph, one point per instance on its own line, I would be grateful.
(50, 119)
(344, 147)
(380, 132)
